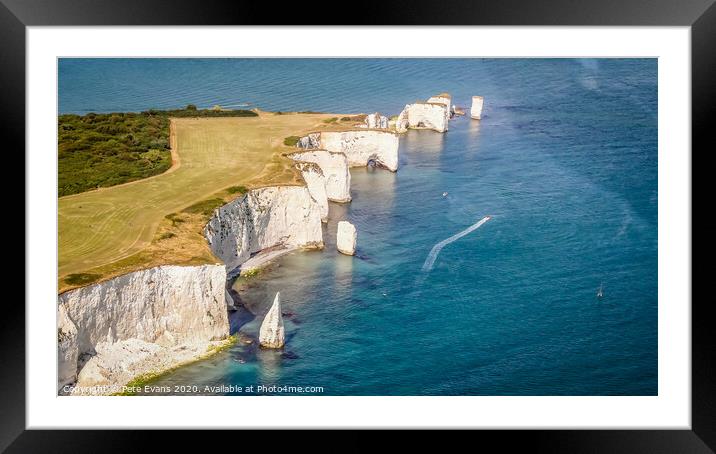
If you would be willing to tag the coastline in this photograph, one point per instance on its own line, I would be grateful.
(134, 386)
(512, 308)
(285, 218)
(260, 261)
(119, 234)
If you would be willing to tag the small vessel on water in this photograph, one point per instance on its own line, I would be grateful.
(445, 194)
(600, 292)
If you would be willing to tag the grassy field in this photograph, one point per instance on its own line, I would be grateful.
(103, 150)
(159, 220)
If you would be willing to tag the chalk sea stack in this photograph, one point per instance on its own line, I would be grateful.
(346, 238)
(271, 334)
(476, 110)
(423, 115)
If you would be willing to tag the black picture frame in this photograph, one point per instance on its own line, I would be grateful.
(700, 15)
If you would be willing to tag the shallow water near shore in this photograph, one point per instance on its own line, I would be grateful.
(565, 162)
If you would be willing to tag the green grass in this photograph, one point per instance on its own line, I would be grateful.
(81, 278)
(355, 118)
(205, 207)
(102, 150)
(237, 190)
(174, 218)
(291, 141)
(331, 120)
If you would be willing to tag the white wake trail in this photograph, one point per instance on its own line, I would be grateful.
(430, 261)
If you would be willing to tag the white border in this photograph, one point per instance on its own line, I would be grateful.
(671, 409)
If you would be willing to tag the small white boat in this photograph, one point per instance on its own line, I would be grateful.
(445, 194)
(600, 292)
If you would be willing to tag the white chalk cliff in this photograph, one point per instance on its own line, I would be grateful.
(346, 238)
(360, 147)
(271, 333)
(376, 121)
(316, 183)
(137, 323)
(67, 350)
(433, 114)
(446, 100)
(423, 115)
(335, 172)
(278, 216)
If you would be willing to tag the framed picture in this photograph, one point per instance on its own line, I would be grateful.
(471, 218)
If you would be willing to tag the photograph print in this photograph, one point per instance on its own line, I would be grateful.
(357, 226)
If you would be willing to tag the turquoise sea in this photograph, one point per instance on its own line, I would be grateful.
(565, 162)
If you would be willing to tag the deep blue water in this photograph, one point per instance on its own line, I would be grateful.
(565, 161)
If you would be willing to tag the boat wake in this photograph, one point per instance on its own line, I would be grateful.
(430, 261)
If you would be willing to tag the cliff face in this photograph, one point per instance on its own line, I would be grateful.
(316, 183)
(376, 121)
(67, 349)
(446, 100)
(424, 115)
(112, 331)
(335, 171)
(359, 146)
(310, 142)
(285, 216)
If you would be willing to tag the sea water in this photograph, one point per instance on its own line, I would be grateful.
(564, 161)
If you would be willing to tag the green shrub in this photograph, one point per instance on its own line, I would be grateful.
(175, 219)
(167, 235)
(291, 141)
(101, 150)
(331, 120)
(205, 207)
(237, 189)
(188, 113)
(81, 278)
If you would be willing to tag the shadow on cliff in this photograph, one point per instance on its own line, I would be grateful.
(241, 315)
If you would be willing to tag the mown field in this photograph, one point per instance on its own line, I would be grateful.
(159, 220)
(102, 150)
